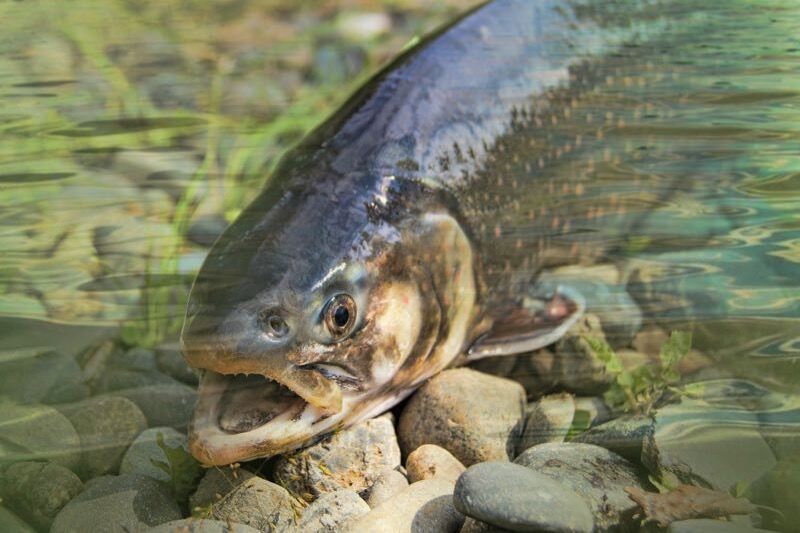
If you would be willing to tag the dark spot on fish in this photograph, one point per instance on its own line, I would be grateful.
(52, 83)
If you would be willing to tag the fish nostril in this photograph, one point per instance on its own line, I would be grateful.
(273, 324)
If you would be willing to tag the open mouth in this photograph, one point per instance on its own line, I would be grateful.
(251, 401)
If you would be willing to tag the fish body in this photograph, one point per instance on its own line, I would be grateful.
(406, 232)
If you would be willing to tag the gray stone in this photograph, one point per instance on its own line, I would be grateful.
(38, 490)
(166, 404)
(201, 525)
(548, 420)
(430, 461)
(106, 426)
(11, 523)
(707, 525)
(388, 484)
(117, 503)
(595, 474)
(349, 459)
(216, 484)
(624, 435)
(37, 432)
(591, 410)
(577, 367)
(778, 489)
(145, 450)
(30, 376)
(516, 498)
(330, 512)
(423, 506)
(257, 503)
(704, 445)
(474, 416)
(134, 368)
(205, 229)
(171, 362)
(476, 526)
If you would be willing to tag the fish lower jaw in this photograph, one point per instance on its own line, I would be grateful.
(238, 418)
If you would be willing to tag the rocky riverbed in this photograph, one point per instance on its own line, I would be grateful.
(469, 451)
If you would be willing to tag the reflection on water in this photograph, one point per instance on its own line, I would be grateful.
(129, 140)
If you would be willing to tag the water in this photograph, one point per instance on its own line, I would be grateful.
(122, 128)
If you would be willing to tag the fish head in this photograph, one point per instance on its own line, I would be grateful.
(307, 316)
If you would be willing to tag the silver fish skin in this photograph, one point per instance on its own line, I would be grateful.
(405, 232)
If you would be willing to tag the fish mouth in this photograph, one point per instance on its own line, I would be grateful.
(239, 417)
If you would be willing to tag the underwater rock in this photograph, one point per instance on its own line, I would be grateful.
(778, 489)
(11, 523)
(430, 461)
(591, 411)
(708, 525)
(166, 404)
(389, 483)
(205, 229)
(547, 420)
(578, 369)
(37, 432)
(170, 361)
(257, 503)
(117, 503)
(31, 376)
(201, 525)
(352, 458)
(597, 475)
(38, 491)
(624, 435)
(141, 454)
(516, 498)
(476, 417)
(216, 484)
(700, 444)
(134, 368)
(426, 505)
(106, 425)
(331, 511)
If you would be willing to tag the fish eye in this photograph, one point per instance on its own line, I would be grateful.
(340, 315)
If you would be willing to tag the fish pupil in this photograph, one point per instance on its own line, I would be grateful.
(341, 316)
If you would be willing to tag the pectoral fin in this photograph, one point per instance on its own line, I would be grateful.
(533, 324)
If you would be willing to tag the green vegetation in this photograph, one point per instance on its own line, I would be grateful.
(638, 390)
(182, 469)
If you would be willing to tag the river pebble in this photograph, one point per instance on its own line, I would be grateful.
(332, 511)
(11, 523)
(166, 404)
(217, 483)
(145, 451)
(352, 458)
(475, 416)
(595, 474)
(170, 361)
(426, 505)
(430, 461)
(37, 432)
(698, 444)
(388, 484)
(107, 425)
(778, 489)
(578, 369)
(30, 376)
(516, 498)
(547, 420)
(707, 525)
(624, 435)
(134, 368)
(38, 491)
(259, 504)
(117, 503)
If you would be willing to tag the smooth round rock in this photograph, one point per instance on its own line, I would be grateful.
(38, 491)
(118, 503)
(330, 512)
(165, 404)
(430, 461)
(37, 432)
(423, 506)
(516, 498)
(257, 503)
(216, 484)
(548, 420)
(349, 459)
(624, 435)
(474, 416)
(389, 483)
(107, 425)
(597, 475)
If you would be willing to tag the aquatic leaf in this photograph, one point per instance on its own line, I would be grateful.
(676, 348)
(182, 469)
(687, 502)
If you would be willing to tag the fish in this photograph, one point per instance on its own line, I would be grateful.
(407, 232)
